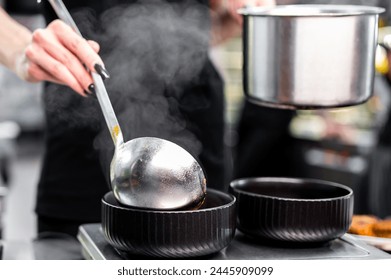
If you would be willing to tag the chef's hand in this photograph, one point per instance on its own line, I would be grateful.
(58, 54)
(226, 22)
(234, 5)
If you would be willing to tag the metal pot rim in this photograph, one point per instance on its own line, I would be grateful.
(304, 10)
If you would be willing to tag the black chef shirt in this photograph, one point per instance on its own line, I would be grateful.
(73, 181)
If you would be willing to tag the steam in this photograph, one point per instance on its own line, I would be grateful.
(153, 51)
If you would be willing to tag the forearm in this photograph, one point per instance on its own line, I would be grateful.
(14, 38)
(223, 24)
(223, 28)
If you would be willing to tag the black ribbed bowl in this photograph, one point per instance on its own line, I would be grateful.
(292, 210)
(170, 234)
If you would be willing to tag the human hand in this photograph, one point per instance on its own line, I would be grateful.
(234, 5)
(226, 22)
(58, 54)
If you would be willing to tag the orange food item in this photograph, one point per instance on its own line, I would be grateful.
(382, 228)
(363, 224)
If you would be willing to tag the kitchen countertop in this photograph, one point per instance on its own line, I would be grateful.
(92, 245)
(50, 246)
(242, 247)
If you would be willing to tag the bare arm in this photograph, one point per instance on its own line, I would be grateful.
(13, 40)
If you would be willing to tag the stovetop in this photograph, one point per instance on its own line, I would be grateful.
(94, 246)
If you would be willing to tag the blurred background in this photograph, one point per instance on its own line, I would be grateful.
(21, 138)
(346, 145)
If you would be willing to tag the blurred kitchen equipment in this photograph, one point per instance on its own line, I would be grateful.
(21, 7)
(146, 172)
(383, 50)
(9, 131)
(293, 210)
(384, 38)
(3, 193)
(309, 56)
(170, 234)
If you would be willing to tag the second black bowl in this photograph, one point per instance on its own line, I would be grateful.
(292, 210)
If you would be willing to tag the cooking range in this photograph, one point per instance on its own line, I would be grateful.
(94, 246)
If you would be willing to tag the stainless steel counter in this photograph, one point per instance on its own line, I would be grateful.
(51, 246)
(95, 246)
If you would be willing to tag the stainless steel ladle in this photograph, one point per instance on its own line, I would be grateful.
(146, 172)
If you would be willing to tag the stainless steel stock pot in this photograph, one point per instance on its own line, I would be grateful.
(309, 56)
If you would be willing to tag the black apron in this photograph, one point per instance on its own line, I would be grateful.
(265, 146)
(183, 104)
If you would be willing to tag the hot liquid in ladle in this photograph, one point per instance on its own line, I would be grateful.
(146, 172)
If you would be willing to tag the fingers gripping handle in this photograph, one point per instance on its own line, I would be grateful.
(101, 93)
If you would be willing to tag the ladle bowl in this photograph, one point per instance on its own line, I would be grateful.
(154, 173)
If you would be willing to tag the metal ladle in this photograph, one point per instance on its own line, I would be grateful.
(146, 172)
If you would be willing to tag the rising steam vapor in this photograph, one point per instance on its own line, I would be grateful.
(153, 51)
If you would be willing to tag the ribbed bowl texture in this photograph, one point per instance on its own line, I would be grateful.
(170, 234)
(291, 209)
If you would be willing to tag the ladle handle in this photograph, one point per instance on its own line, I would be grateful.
(101, 93)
